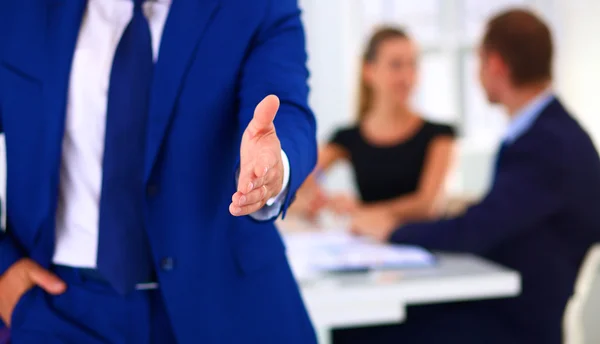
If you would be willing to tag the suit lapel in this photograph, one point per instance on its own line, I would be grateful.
(186, 22)
(51, 34)
(63, 21)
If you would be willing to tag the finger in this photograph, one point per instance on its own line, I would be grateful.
(255, 196)
(46, 280)
(264, 115)
(245, 183)
(273, 180)
(265, 163)
(252, 174)
(246, 179)
(260, 176)
(236, 210)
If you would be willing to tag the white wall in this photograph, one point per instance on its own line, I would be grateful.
(333, 42)
(578, 60)
(331, 31)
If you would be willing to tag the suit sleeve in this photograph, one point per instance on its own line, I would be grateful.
(276, 64)
(527, 191)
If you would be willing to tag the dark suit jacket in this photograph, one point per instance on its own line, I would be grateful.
(227, 280)
(539, 218)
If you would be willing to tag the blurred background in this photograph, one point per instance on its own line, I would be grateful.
(447, 32)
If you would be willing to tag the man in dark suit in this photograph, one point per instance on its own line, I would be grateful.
(147, 159)
(539, 217)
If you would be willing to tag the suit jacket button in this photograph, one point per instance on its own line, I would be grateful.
(167, 264)
(152, 190)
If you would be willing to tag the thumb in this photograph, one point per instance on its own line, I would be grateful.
(264, 114)
(46, 280)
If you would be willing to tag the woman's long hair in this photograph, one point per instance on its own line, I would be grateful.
(365, 93)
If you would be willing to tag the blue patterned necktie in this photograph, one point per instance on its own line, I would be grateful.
(124, 256)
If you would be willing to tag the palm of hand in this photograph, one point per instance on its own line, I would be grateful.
(261, 166)
(260, 150)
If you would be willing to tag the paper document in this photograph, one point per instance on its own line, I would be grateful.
(317, 252)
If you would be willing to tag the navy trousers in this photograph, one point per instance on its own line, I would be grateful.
(90, 312)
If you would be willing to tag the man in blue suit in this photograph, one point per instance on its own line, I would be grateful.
(539, 217)
(146, 163)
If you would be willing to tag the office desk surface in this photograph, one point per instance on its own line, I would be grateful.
(382, 296)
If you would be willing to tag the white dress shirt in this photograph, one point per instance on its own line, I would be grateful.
(83, 144)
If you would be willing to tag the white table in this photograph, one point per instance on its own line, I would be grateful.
(382, 297)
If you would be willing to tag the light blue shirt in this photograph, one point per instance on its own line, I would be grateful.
(526, 116)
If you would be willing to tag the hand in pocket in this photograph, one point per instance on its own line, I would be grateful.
(21, 277)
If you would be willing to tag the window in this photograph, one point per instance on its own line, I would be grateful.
(436, 94)
(475, 13)
(421, 18)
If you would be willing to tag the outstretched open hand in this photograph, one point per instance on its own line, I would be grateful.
(261, 166)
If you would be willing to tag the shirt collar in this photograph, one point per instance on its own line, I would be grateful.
(524, 118)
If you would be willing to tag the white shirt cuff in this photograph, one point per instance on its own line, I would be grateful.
(273, 206)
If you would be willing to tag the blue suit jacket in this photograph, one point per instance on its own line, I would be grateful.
(540, 217)
(227, 279)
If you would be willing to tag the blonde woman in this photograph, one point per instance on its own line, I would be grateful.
(400, 160)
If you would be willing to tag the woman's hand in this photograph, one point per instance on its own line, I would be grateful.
(343, 204)
(310, 200)
(374, 221)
